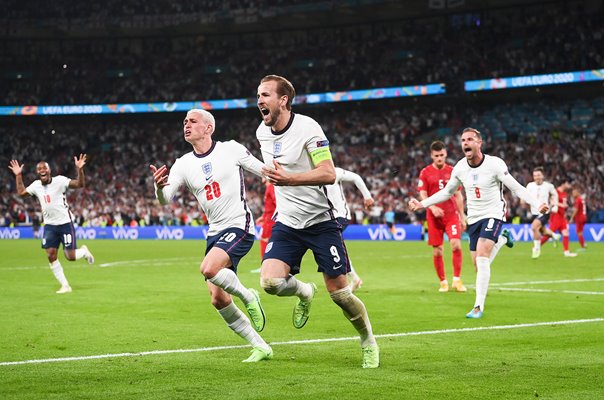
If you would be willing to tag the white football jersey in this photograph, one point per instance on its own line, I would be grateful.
(53, 199)
(483, 186)
(545, 193)
(216, 180)
(297, 206)
(335, 192)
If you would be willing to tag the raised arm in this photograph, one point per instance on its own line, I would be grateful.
(438, 197)
(80, 182)
(17, 169)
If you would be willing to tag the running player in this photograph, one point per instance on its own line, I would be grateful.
(297, 147)
(482, 177)
(58, 220)
(546, 193)
(213, 172)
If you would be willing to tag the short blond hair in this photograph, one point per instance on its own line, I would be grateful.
(206, 115)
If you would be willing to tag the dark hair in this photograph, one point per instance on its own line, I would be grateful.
(539, 169)
(284, 88)
(476, 131)
(437, 145)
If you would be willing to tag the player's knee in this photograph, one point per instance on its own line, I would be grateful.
(351, 305)
(207, 270)
(438, 251)
(272, 285)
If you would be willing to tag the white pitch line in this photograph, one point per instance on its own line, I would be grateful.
(547, 282)
(150, 262)
(294, 342)
(547, 291)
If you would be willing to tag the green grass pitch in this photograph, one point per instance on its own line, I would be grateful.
(148, 296)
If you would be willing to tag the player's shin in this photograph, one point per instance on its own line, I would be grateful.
(57, 270)
(240, 324)
(483, 275)
(227, 280)
(355, 311)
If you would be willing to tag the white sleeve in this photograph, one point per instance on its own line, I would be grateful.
(517, 189)
(554, 201)
(445, 193)
(247, 159)
(175, 181)
(349, 176)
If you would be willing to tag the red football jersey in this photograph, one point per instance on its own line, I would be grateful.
(562, 203)
(432, 179)
(580, 207)
(270, 202)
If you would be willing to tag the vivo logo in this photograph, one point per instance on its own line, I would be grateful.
(124, 233)
(167, 233)
(383, 233)
(83, 233)
(8, 233)
(597, 235)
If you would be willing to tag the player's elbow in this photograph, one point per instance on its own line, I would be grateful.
(329, 175)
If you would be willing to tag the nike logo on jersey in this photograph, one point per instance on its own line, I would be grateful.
(337, 266)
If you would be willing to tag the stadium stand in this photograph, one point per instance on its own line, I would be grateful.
(63, 56)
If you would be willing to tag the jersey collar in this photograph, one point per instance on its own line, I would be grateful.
(207, 153)
(289, 123)
(484, 156)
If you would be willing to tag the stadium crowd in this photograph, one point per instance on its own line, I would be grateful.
(387, 146)
(538, 38)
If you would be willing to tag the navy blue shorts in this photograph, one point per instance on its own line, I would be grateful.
(544, 218)
(236, 242)
(344, 222)
(323, 239)
(54, 235)
(488, 228)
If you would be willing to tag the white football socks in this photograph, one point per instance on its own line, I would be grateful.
(57, 270)
(483, 275)
(241, 325)
(227, 280)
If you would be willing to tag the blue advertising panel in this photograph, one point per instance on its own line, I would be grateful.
(535, 80)
(229, 104)
(520, 233)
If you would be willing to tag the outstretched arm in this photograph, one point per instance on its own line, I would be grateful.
(81, 181)
(17, 169)
(438, 197)
(520, 191)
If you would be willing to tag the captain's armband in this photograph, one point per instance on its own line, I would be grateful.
(320, 154)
